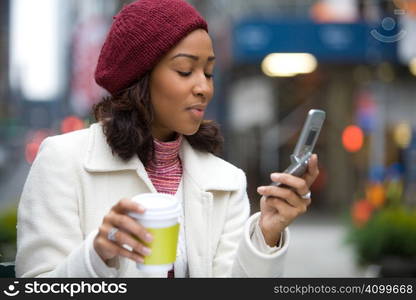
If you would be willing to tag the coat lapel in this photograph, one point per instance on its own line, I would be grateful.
(100, 158)
(197, 230)
(202, 174)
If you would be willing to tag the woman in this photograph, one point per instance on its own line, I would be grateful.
(157, 64)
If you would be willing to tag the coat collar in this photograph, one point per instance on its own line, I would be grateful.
(205, 170)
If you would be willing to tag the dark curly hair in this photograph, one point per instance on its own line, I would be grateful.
(127, 119)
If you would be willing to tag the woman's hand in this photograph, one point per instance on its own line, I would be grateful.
(127, 228)
(279, 206)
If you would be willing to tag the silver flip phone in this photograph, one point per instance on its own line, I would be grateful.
(305, 145)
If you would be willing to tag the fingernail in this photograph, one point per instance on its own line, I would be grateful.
(146, 251)
(275, 176)
(261, 189)
(140, 260)
(148, 237)
(140, 207)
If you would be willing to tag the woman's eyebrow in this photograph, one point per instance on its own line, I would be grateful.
(210, 58)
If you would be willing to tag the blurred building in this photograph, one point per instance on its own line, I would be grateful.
(4, 49)
(6, 109)
(47, 55)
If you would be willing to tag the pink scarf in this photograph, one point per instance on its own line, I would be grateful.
(165, 169)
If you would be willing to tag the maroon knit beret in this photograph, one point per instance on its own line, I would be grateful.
(141, 33)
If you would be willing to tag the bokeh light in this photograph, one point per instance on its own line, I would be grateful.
(288, 64)
(352, 138)
(375, 194)
(402, 135)
(361, 212)
(412, 66)
(71, 123)
(33, 143)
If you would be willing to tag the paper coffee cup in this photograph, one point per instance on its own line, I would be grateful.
(161, 220)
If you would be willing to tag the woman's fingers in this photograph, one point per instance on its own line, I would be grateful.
(313, 170)
(122, 238)
(113, 249)
(283, 193)
(281, 204)
(126, 205)
(129, 225)
(296, 183)
(129, 254)
(125, 238)
(287, 213)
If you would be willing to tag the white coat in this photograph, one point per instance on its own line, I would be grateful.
(74, 182)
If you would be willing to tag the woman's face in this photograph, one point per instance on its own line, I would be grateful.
(181, 86)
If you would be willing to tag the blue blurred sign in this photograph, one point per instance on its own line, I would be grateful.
(366, 112)
(254, 38)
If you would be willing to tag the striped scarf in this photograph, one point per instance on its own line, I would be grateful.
(165, 169)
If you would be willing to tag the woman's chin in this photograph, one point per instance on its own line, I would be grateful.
(189, 131)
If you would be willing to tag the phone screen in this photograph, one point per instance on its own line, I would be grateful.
(309, 133)
(311, 137)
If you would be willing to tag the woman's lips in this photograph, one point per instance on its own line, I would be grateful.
(196, 113)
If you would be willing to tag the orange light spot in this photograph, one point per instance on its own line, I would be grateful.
(33, 142)
(352, 138)
(31, 151)
(361, 212)
(376, 194)
(71, 123)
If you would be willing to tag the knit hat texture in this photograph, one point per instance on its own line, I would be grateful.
(141, 33)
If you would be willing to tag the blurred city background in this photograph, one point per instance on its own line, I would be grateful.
(276, 59)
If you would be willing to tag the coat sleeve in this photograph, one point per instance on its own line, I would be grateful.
(50, 242)
(236, 255)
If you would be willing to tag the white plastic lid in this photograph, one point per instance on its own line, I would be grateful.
(158, 206)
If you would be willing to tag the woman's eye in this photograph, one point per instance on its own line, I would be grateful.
(184, 74)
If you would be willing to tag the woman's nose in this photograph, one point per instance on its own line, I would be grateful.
(203, 87)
